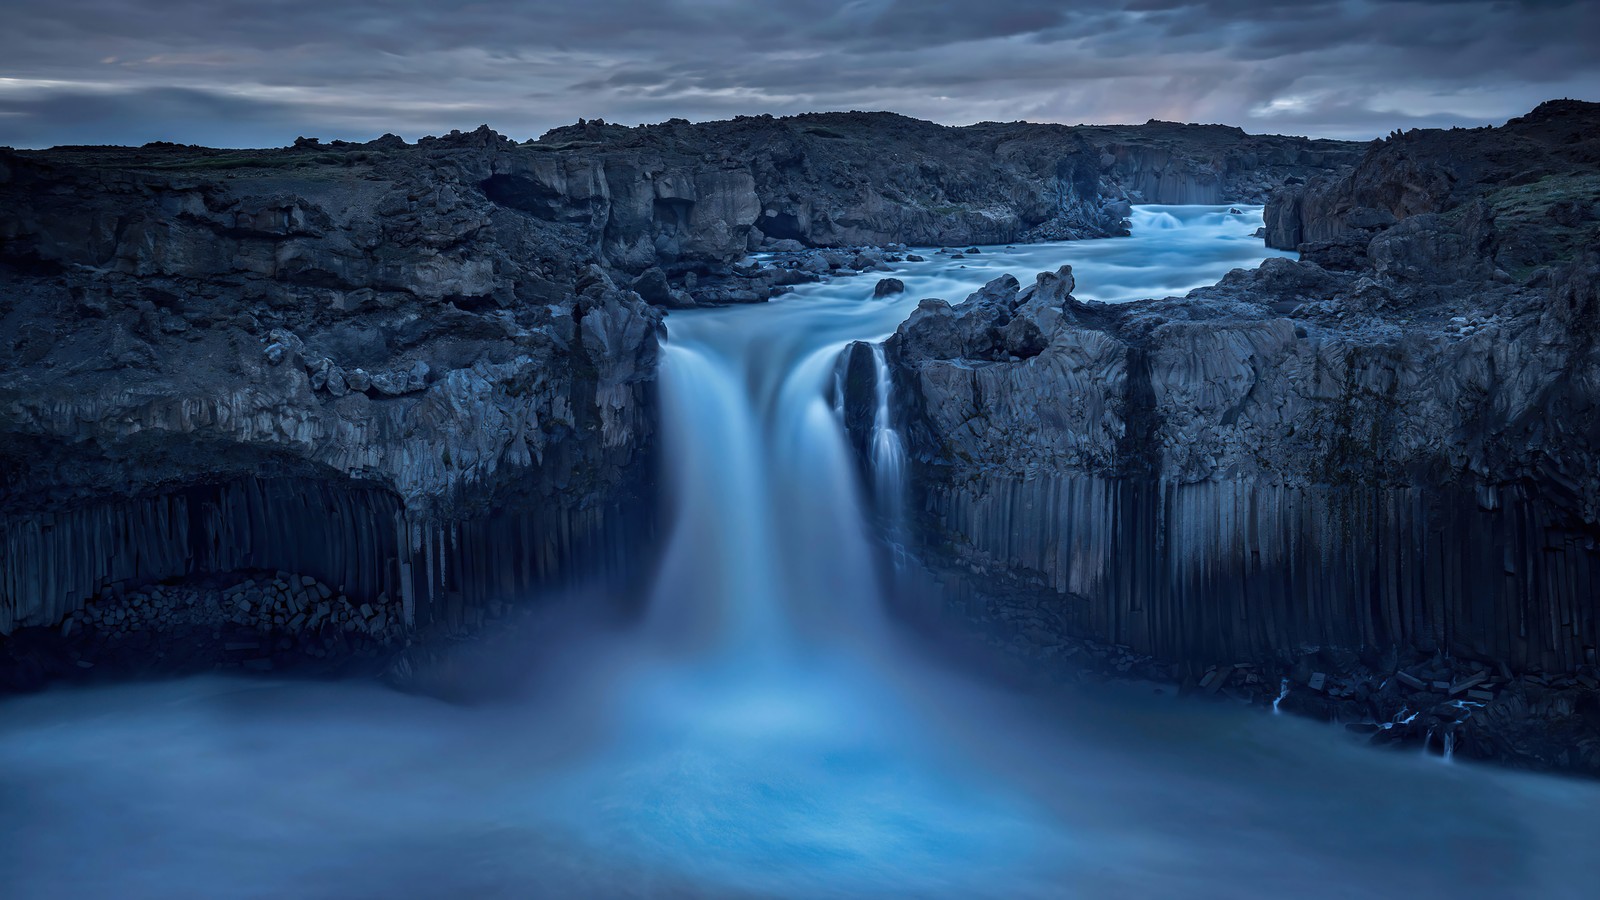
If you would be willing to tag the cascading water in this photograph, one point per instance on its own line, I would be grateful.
(888, 452)
(765, 732)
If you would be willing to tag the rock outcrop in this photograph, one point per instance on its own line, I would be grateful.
(1534, 177)
(839, 179)
(1167, 162)
(831, 180)
(355, 366)
(1383, 452)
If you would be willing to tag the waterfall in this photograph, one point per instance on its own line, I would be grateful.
(768, 548)
(715, 575)
(888, 457)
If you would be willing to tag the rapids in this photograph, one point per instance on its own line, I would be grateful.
(765, 730)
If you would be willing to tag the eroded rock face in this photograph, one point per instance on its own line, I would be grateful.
(374, 323)
(1393, 451)
(680, 194)
(845, 179)
(1535, 176)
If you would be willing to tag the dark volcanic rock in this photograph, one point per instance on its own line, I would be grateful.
(1535, 176)
(1168, 162)
(888, 287)
(829, 180)
(842, 179)
(207, 346)
(1396, 450)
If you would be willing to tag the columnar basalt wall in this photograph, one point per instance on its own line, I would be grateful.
(53, 562)
(510, 555)
(357, 538)
(1209, 479)
(1224, 572)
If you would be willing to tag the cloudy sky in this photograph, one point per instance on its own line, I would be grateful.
(260, 73)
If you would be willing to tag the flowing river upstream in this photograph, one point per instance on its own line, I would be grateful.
(765, 730)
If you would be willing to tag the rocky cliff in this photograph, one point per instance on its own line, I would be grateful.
(1383, 455)
(1167, 162)
(421, 376)
(352, 367)
(835, 179)
(1534, 176)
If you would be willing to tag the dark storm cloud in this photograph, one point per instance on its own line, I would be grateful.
(243, 73)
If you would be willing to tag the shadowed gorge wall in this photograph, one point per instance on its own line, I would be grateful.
(357, 538)
(1231, 571)
(457, 568)
(347, 535)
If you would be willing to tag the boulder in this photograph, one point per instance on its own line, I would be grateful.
(888, 287)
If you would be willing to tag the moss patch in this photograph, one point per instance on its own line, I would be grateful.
(1542, 236)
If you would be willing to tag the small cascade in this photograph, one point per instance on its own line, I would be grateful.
(1283, 691)
(1449, 745)
(888, 457)
(1152, 217)
(1398, 720)
(1427, 742)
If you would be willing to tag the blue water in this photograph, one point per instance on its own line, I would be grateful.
(766, 731)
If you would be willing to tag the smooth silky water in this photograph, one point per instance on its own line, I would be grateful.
(765, 730)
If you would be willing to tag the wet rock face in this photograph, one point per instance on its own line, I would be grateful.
(1392, 450)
